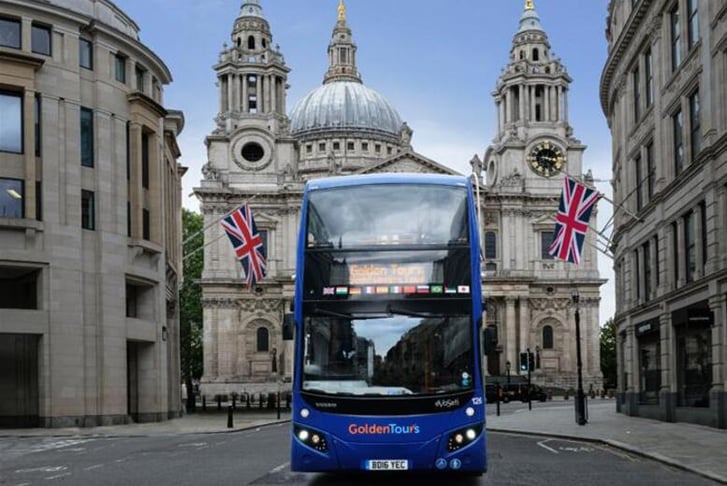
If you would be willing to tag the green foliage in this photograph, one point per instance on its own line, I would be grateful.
(190, 296)
(608, 353)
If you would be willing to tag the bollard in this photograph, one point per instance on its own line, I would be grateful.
(204, 403)
(498, 392)
(278, 403)
(248, 401)
(229, 417)
(219, 402)
(234, 397)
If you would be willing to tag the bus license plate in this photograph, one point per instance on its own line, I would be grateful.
(387, 465)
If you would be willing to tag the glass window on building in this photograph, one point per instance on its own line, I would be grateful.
(40, 39)
(676, 36)
(11, 198)
(547, 337)
(263, 340)
(85, 53)
(690, 246)
(490, 245)
(11, 122)
(87, 145)
(120, 68)
(677, 133)
(88, 210)
(695, 135)
(694, 362)
(546, 239)
(10, 33)
(693, 26)
(649, 361)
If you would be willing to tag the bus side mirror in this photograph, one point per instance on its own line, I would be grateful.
(490, 340)
(288, 327)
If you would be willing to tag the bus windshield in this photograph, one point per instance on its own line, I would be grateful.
(389, 214)
(395, 354)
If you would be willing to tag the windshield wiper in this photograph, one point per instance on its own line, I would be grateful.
(318, 310)
(403, 312)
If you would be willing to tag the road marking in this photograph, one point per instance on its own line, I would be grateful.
(58, 476)
(278, 469)
(542, 444)
(576, 449)
(193, 444)
(41, 469)
(95, 466)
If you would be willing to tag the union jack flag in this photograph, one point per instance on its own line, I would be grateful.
(571, 222)
(247, 243)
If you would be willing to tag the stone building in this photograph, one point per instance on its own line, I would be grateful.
(259, 153)
(90, 219)
(663, 93)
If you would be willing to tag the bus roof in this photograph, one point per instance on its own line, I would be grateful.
(386, 178)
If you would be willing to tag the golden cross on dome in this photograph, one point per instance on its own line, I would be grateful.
(529, 5)
(341, 12)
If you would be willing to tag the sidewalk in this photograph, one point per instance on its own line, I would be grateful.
(694, 448)
(691, 447)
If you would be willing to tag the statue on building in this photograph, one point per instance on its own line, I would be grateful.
(209, 172)
(405, 134)
(334, 165)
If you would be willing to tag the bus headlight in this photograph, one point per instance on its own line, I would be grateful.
(304, 412)
(311, 438)
(460, 438)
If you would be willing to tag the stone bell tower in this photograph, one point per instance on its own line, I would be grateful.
(528, 292)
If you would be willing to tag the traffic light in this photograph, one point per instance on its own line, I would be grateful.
(531, 360)
(523, 361)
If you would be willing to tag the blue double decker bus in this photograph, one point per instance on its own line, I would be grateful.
(388, 320)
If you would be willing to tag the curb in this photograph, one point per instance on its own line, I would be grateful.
(622, 446)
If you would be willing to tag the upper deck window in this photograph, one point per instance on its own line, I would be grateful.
(387, 214)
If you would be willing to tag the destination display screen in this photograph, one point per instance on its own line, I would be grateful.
(388, 273)
(375, 275)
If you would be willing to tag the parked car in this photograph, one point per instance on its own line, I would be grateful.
(515, 391)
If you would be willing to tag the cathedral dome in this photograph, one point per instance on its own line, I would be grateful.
(344, 106)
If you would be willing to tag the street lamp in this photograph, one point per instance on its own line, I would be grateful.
(580, 397)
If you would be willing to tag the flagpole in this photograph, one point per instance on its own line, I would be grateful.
(205, 245)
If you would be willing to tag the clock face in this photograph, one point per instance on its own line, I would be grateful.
(546, 159)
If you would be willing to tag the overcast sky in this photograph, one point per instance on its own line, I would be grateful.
(436, 62)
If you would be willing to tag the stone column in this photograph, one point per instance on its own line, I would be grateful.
(698, 253)
(274, 94)
(546, 102)
(681, 262)
(230, 87)
(667, 389)
(29, 153)
(245, 105)
(718, 395)
(510, 343)
(521, 105)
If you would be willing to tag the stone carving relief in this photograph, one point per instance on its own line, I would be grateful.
(209, 172)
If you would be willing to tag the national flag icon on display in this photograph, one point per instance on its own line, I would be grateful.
(463, 289)
(571, 221)
(341, 290)
(328, 290)
(247, 243)
(354, 291)
(410, 289)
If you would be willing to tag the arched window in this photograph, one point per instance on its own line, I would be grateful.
(522, 55)
(536, 55)
(251, 42)
(547, 337)
(263, 339)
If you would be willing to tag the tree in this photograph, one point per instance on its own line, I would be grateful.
(608, 353)
(190, 298)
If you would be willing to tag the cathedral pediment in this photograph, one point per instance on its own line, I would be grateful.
(408, 161)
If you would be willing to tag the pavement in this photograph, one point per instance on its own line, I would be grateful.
(690, 447)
